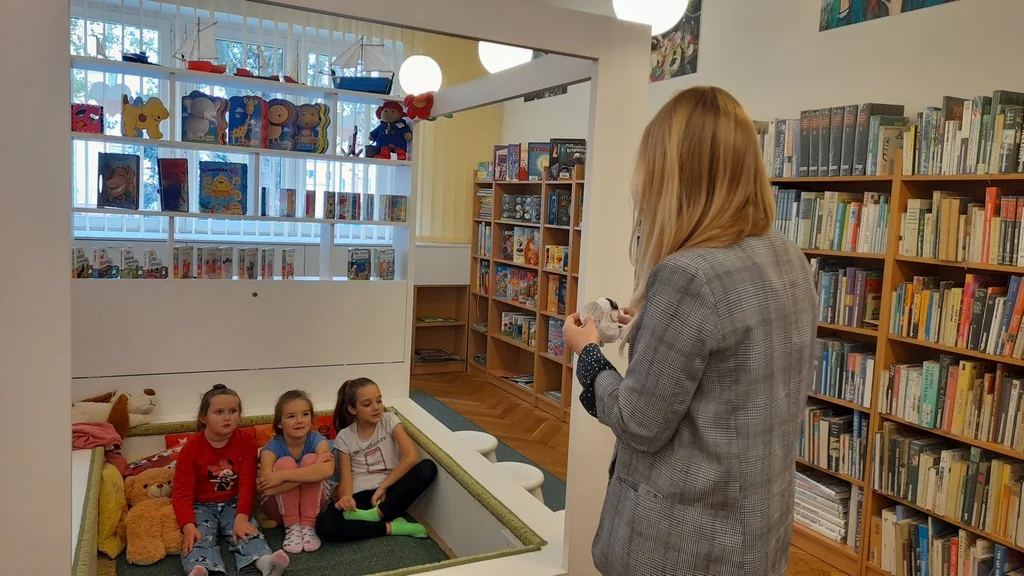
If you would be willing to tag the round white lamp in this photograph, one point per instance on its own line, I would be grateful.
(419, 74)
(498, 57)
(661, 15)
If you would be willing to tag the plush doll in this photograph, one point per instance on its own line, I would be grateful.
(605, 312)
(418, 106)
(393, 134)
(151, 527)
(119, 408)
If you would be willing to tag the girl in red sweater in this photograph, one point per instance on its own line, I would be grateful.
(213, 493)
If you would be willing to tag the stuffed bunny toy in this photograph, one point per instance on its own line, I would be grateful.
(605, 312)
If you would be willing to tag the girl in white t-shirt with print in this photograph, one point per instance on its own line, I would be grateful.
(379, 470)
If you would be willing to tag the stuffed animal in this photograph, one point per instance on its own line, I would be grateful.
(605, 312)
(152, 529)
(119, 408)
(393, 134)
(418, 106)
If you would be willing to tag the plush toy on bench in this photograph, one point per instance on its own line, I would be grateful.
(605, 312)
(152, 530)
(119, 408)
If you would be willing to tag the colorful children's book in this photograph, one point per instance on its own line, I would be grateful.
(87, 118)
(309, 204)
(359, 264)
(204, 118)
(538, 157)
(267, 263)
(287, 263)
(223, 187)
(330, 205)
(119, 181)
(182, 261)
(173, 174)
(566, 154)
(247, 121)
(384, 263)
(286, 202)
(311, 123)
(281, 124)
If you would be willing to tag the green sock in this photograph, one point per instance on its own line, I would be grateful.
(402, 527)
(367, 515)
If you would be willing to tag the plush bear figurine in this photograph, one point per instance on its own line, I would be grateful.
(152, 530)
(393, 134)
(605, 312)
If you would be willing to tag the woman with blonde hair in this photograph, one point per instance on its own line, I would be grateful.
(721, 329)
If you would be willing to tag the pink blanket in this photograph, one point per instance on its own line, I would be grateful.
(87, 435)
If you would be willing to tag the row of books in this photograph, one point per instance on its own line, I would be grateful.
(367, 263)
(519, 326)
(535, 161)
(844, 370)
(483, 278)
(557, 258)
(982, 314)
(834, 441)
(556, 342)
(979, 135)
(838, 141)
(521, 245)
(559, 208)
(965, 397)
(556, 300)
(520, 208)
(188, 262)
(950, 480)
(483, 240)
(906, 542)
(959, 229)
(846, 221)
(516, 285)
(485, 207)
(828, 506)
(847, 295)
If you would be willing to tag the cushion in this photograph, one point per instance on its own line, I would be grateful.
(165, 459)
(110, 533)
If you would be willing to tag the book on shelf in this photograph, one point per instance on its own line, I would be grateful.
(559, 207)
(829, 506)
(847, 295)
(525, 245)
(384, 263)
(516, 284)
(519, 326)
(434, 355)
(480, 327)
(834, 439)
(119, 180)
(483, 278)
(520, 208)
(841, 221)
(556, 258)
(979, 314)
(223, 187)
(555, 395)
(556, 342)
(844, 370)
(359, 263)
(484, 170)
(486, 209)
(557, 286)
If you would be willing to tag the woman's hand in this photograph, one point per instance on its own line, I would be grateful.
(346, 503)
(271, 479)
(378, 496)
(625, 315)
(578, 332)
(190, 536)
(243, 529)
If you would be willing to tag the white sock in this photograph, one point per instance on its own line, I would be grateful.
(271, 564)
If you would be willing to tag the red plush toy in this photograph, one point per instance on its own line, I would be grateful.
(418, 105)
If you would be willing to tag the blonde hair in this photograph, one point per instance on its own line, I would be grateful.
(699, 181)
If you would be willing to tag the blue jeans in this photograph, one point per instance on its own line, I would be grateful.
(219, 519)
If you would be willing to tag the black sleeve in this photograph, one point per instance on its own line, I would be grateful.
(589, 364)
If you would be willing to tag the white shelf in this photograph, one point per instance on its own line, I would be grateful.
(251, 217)
(226, 80)
(200, 146)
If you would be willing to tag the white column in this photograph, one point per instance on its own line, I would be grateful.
(618, 113)
(35, 289)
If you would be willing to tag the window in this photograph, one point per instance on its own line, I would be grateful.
(242, 41)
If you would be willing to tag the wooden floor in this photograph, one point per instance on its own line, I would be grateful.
(540, 437)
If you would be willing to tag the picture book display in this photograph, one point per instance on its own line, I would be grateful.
(223, 187)
(280, 124)
(173, 175)
(203, 118)
(311, 124)
(359, 264)
(119, 181)
(566, 154)
(247, 121)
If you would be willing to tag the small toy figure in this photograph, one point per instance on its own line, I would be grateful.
(137, 116)
(393, 134)
(87, 118)
(605, 312)
(418, 106)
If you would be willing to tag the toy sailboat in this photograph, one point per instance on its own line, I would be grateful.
(199, 49)
(363, 69)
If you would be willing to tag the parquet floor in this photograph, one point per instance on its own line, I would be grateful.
(540, 437)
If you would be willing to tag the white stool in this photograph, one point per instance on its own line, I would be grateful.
(483, 443)
(529, 477)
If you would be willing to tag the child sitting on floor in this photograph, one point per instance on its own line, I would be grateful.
(294, 468)
(214, 489)
(376, 486)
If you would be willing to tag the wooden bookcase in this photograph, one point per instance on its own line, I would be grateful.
(504, 354)
(448, 302)
(891, 348)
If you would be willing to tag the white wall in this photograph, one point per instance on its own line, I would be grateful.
(35, 316)
(771, 56)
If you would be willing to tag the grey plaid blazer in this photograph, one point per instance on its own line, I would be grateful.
(707, 416)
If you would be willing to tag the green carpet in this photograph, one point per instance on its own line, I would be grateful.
(333, 559)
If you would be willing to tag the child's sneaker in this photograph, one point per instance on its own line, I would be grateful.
(293, 539)
(310, 541)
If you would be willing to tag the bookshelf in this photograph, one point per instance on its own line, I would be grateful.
(494, 356)
(894, 348)
(439, 325)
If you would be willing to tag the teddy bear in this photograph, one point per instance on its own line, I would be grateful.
(120, 409)
(605, 312)
(151, 528)
(393, 134)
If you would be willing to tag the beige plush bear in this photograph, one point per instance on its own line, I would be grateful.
(152, 529)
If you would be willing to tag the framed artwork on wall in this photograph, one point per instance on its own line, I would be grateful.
(839, 13)
(674, 53)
